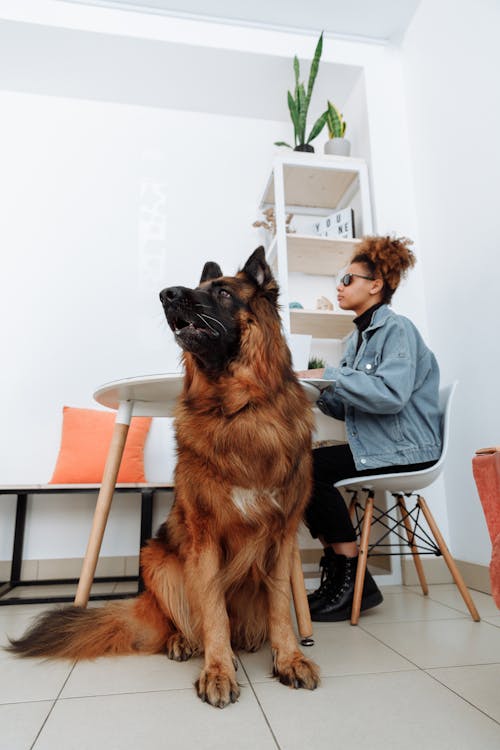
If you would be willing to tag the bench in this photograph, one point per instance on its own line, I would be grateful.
(147, 492)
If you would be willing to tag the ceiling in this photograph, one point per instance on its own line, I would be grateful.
(379, 21)
(55, 61)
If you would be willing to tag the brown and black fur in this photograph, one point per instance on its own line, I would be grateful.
(218, 573)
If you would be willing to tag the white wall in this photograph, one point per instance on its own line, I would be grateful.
(451, 59)
(104, 205)
(80, 257)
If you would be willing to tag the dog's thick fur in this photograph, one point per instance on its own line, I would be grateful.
(218, 573)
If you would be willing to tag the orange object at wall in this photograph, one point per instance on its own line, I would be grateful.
(486, 470)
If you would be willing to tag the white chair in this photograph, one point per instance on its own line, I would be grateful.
(400, 485)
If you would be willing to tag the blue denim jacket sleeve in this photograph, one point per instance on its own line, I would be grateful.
(385, 389)
(330, 404)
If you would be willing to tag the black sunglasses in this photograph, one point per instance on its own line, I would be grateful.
(346, 279)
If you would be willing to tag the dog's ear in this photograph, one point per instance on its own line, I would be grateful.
(210, 271)
(256, 267)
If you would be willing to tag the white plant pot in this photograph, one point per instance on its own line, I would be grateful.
(338, 146)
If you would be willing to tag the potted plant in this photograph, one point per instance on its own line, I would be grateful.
(336, 125)
(299, 105)
(316, 363)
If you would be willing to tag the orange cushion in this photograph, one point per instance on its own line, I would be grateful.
(86, 436)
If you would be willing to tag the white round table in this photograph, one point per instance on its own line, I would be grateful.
(145, 396)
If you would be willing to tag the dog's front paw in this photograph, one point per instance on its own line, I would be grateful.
(178, 648)
(295, 670)
(217, 686)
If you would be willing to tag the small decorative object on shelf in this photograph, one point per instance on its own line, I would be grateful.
(295, 306)
(323, 303)
(299, 105)
(337, 225)
(316, 363)
(270, 222)
(336, 124)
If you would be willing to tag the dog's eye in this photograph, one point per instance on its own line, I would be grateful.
(224, 293)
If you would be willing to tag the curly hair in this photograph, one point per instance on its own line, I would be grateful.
(388, 258)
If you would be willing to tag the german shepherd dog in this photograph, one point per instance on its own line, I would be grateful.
(217, 574)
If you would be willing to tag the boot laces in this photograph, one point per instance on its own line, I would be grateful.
(346, 582)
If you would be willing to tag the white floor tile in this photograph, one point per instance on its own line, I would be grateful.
(63, 589)
(449, 595)
(479, 685)
(382, 712)
(125, 587)
(20, 723)
(492, 620)
(24, 680)
(339, 649)
(409, 606)
(14, 620)
(373, 693)
(173, 719)
(134, 674)
(440, 643)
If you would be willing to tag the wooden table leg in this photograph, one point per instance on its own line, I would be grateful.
(300, 599)
(103, 504)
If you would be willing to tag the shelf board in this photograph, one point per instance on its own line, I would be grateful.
(319, 256)
(314, 185)
(321, 324)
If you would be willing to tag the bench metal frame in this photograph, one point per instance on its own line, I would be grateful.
(147, 493)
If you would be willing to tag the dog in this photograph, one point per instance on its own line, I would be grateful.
(217, 575)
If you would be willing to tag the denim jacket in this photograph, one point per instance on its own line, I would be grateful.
(387, 393)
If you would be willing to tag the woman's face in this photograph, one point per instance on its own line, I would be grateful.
(361, 293)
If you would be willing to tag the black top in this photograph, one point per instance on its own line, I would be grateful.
(363, 321)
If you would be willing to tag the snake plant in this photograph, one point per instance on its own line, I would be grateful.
(335, 122)
(298, 104)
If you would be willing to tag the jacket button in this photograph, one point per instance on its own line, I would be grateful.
(363, 460)
(368, 367)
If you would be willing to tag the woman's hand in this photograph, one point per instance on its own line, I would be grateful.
(305, 374)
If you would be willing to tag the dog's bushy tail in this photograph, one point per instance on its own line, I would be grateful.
(131, 626)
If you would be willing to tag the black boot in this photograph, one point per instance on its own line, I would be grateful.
(327, 565)
(336, 603)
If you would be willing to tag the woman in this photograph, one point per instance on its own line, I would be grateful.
(386, 390)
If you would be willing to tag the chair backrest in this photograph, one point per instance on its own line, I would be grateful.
(413, 481)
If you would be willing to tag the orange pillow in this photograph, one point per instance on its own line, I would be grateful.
(86, 436)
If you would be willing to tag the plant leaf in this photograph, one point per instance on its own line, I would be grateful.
(294, 114)
(317, 127)
(296, 68)
(281, 143)
(314, 67)
(302, 109)
(335, 123)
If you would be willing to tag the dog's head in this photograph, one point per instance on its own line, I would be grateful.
(209, 321)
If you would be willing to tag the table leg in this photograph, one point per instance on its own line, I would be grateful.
(103, 504)
(300, 599)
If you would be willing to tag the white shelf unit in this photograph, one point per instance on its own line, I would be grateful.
(316, 185)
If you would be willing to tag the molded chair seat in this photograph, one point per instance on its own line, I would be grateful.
(400, 485)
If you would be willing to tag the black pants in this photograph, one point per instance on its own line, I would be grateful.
(327, 515)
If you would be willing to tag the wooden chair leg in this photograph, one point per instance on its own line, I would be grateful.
(362, 560)
(300, 599)
(449, 559)
(411, 543)
(352, 507)
(101, 513)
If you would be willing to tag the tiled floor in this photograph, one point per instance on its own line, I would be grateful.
(415, 673)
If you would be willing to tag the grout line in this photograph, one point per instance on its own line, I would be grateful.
(466, 700)
(250, 684)
(391, 648)
(53, 706)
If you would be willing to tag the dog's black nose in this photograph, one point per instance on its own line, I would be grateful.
(167, 296)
